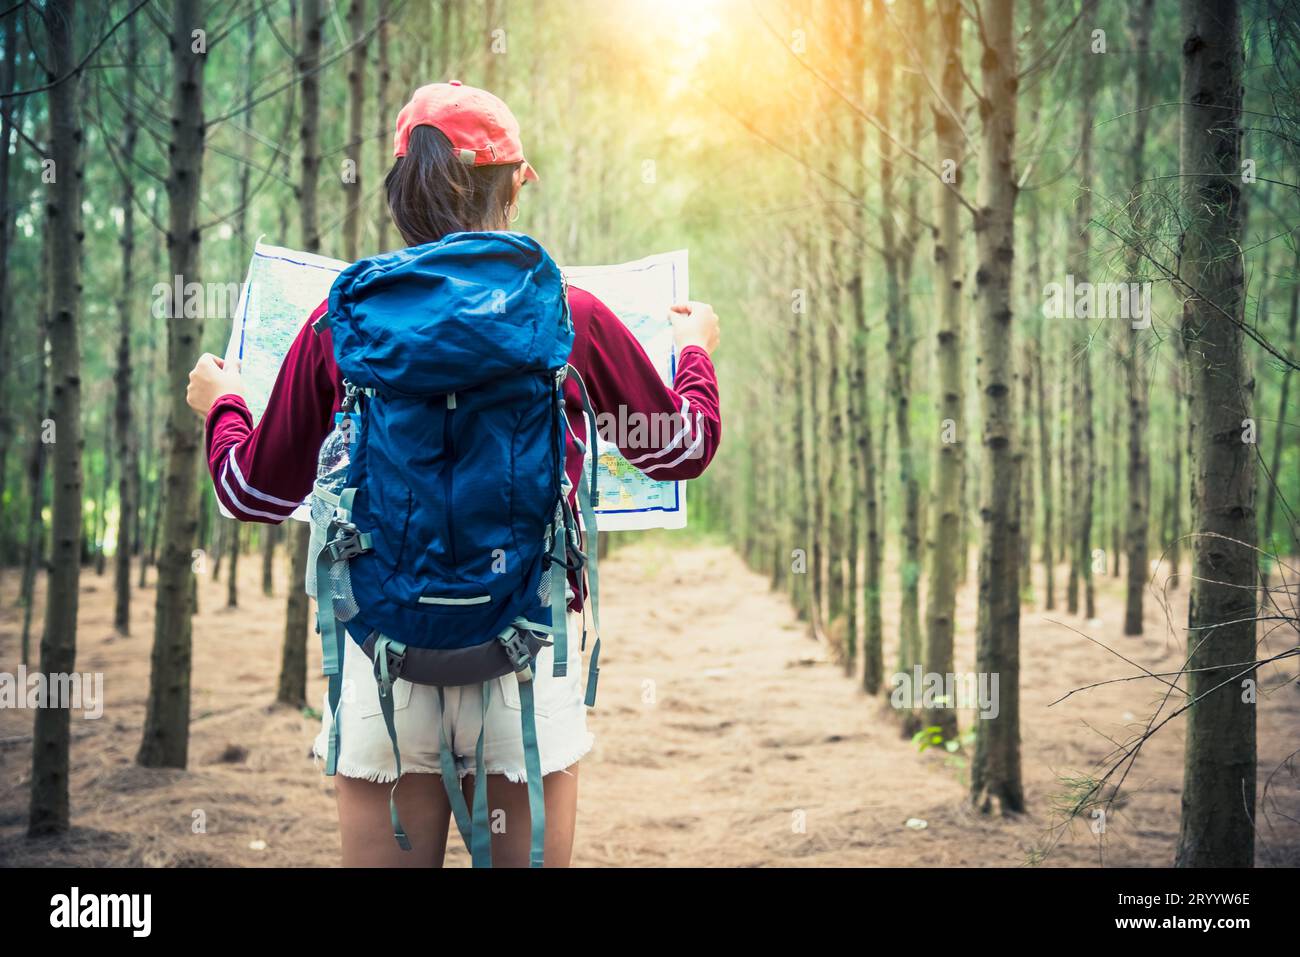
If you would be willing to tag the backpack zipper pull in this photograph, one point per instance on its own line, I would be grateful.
(451, 400)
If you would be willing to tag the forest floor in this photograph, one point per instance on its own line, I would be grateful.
(725, 736)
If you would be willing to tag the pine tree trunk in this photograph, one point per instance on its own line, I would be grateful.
(166, 731)
(352, 184)
(1136, 356)
(292, 689)
(1181, 440)
(147, 539)
(1035, 368)
(856, 378)
(128, 452)
(1033, 389)
(269, 534)
(232, 529)
(1288, 543)
(7, 221)
(34, 540)
(817, 486)
(1025, 469)
(217, 552)
(897, 255)
(1084, 452)
(100, 529)
(1045, 482)
(1064, 449)
(293, 665)
(802, 525)
(51, 734)
(945, 525)
(995, 771)
(836, 538)
(383, 150)
(232, 574)
(873, 666)
(1218, 813)
(1115, 511)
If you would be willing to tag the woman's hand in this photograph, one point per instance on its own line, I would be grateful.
(210, 379)
(695, 324)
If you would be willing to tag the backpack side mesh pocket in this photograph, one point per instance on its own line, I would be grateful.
(323, 503)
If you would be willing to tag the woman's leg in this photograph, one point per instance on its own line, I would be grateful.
(367, 828)
(511, 847)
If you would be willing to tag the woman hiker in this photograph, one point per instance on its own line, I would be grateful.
(459, 169)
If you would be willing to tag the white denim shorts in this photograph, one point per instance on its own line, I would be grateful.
(365, 750)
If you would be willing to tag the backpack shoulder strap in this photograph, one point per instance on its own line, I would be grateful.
(588, 499)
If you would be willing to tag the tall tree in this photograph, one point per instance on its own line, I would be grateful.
(836, 489)
(233, 529)
(945, 526)
(873, 666)
(1280, 421)
(1037, 348)
(167, 719)
(899, 246)
(148, 428)
(1031, 366)
(383, 81)
(8, 72)
(293, 662)
(269, 535)
(1182, 439)
(1136, 356)
(51, 735)
(1217, 826)
(128, 491)
(352, 180)
(800, 519)
(995, 772)
(37, 462)
(1084, 448)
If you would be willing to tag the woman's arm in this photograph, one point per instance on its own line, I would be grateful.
(670, 434)
(262, 474)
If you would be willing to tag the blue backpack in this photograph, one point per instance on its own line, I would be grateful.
(442, 533)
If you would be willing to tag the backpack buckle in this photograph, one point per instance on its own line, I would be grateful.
(350, 396)
(349, 544)
(517, 651)
(394, 658)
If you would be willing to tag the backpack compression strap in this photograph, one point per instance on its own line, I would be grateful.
(345, 542)
(475, 826)
(517, 651)
(388, 659)
(588, 499)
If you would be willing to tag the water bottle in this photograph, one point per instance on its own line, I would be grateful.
(336, 452)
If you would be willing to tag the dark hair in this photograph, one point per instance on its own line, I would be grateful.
(432, 193)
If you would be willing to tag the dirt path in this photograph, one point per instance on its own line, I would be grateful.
(724, 737)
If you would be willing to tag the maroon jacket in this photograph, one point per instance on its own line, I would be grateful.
(262, 474)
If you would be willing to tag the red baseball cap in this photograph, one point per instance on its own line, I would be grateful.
(480, 127)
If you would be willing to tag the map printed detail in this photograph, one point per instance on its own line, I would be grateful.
(282, 290)
(285, 286)
(640, 294)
